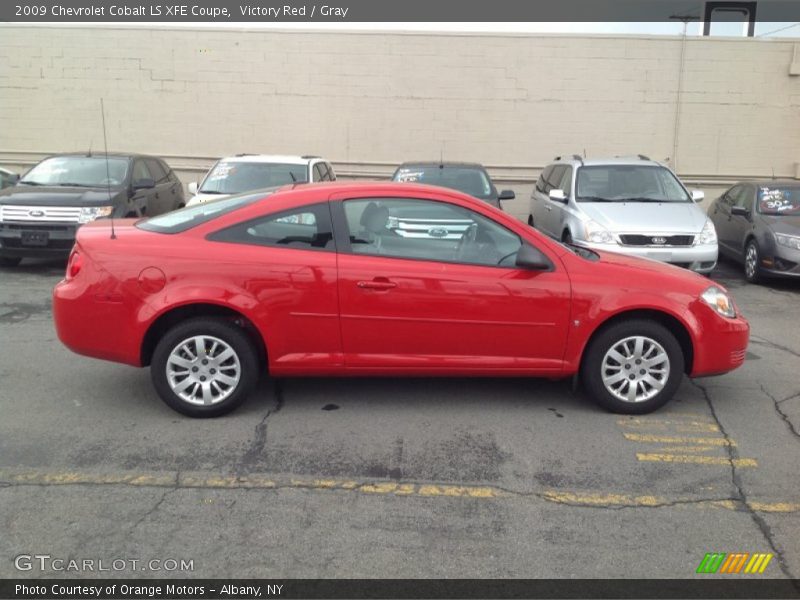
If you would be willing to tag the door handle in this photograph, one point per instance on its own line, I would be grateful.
(377, 284)
(548, 207)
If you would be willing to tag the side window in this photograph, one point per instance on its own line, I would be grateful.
(749, 197)
(730, 196)
(331, 174)
(140, 171)
(318, 176)
(566, 181)
(554, 179)
(428, 230)
(158, 172)
(541, 183)
(305, 228)
(743, 197)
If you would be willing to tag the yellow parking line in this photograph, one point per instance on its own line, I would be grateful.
(661, 424)
(697, 460)
(383, 488)
(673, 439)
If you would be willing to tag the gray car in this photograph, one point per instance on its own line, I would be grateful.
(633, 206)
(758, 223)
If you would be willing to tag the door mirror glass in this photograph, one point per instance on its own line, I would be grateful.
(192, 187)
(698, 195)
(144, 184)
(532, 258)
(740, 211)
(558, 195)
(507, 195)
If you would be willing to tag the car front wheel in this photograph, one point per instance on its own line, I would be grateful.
(633, 367)
(752, 259)
(204, 367)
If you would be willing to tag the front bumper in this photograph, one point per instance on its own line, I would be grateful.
(785, 262)
(700, 259)
(60, 239)
(723, 346)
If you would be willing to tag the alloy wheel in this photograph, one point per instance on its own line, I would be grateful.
(635, 369)
(203, 370)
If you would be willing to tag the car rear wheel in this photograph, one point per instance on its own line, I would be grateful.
(752, 259)
(10, 261)
(633, 367)
(204, 367)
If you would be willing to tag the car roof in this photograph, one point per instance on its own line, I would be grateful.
(611, 160)
(271, 158)
(764, 182)
(438, 163)
(334, 187)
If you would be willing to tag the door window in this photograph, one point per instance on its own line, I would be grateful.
(554, 179)
(566, 181)
(158, 172)
(428, 230)
(541, 183)
(305, 228)
(140, 171)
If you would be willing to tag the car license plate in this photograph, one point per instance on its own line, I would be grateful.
(662, 256)
(35, 238)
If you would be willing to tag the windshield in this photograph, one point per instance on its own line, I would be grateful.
(779, 200)
(192, 216)
(628, 183)
(235, 177)
(469, 180)
(78, 171)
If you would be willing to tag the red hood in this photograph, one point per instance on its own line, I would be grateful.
(646, 267)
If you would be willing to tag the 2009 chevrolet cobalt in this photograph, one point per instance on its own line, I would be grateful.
(315, 280)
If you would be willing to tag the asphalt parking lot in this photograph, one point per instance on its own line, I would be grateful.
(396, 477)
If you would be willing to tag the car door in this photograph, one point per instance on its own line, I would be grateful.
(740, 225)
(426, 303)
(286, 262)
(721, 217)
(143, 199)
(552, 208)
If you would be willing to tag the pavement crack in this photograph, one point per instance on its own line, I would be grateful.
(158, 503)
(770, 344)
(741, 496)
(784, 417)
(259, 441)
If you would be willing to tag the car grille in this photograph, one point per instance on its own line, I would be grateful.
(40, 214)
(442, 229)
(656, 240)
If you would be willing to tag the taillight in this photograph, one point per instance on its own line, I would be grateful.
(74, 265)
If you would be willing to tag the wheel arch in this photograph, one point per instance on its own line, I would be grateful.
(669, 321)
(171, 317)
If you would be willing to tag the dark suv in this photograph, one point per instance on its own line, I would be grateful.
(41, 213)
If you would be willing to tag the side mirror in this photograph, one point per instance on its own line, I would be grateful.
(192, 187)
(532, 258)
(558, 195)
(740, 211)
(507, 195)
(144, 184)
(698, 195)
(13, 179)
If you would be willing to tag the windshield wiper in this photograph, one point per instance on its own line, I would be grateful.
(70, 184)
(643, 199)
(209, 192)
(596, 199)
(23, 182)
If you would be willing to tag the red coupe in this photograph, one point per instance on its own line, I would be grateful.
(382, 279)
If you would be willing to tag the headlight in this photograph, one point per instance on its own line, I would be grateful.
(90, 213)
(790, 241)
(708, 235)
(720, 301)
(597, 234)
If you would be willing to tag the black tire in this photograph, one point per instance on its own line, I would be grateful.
(230, 334)
(9, 261)
(753, 276)
(592, 366)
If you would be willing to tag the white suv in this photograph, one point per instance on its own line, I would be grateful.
(247, 172)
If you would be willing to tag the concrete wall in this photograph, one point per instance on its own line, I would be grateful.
(368, 101)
